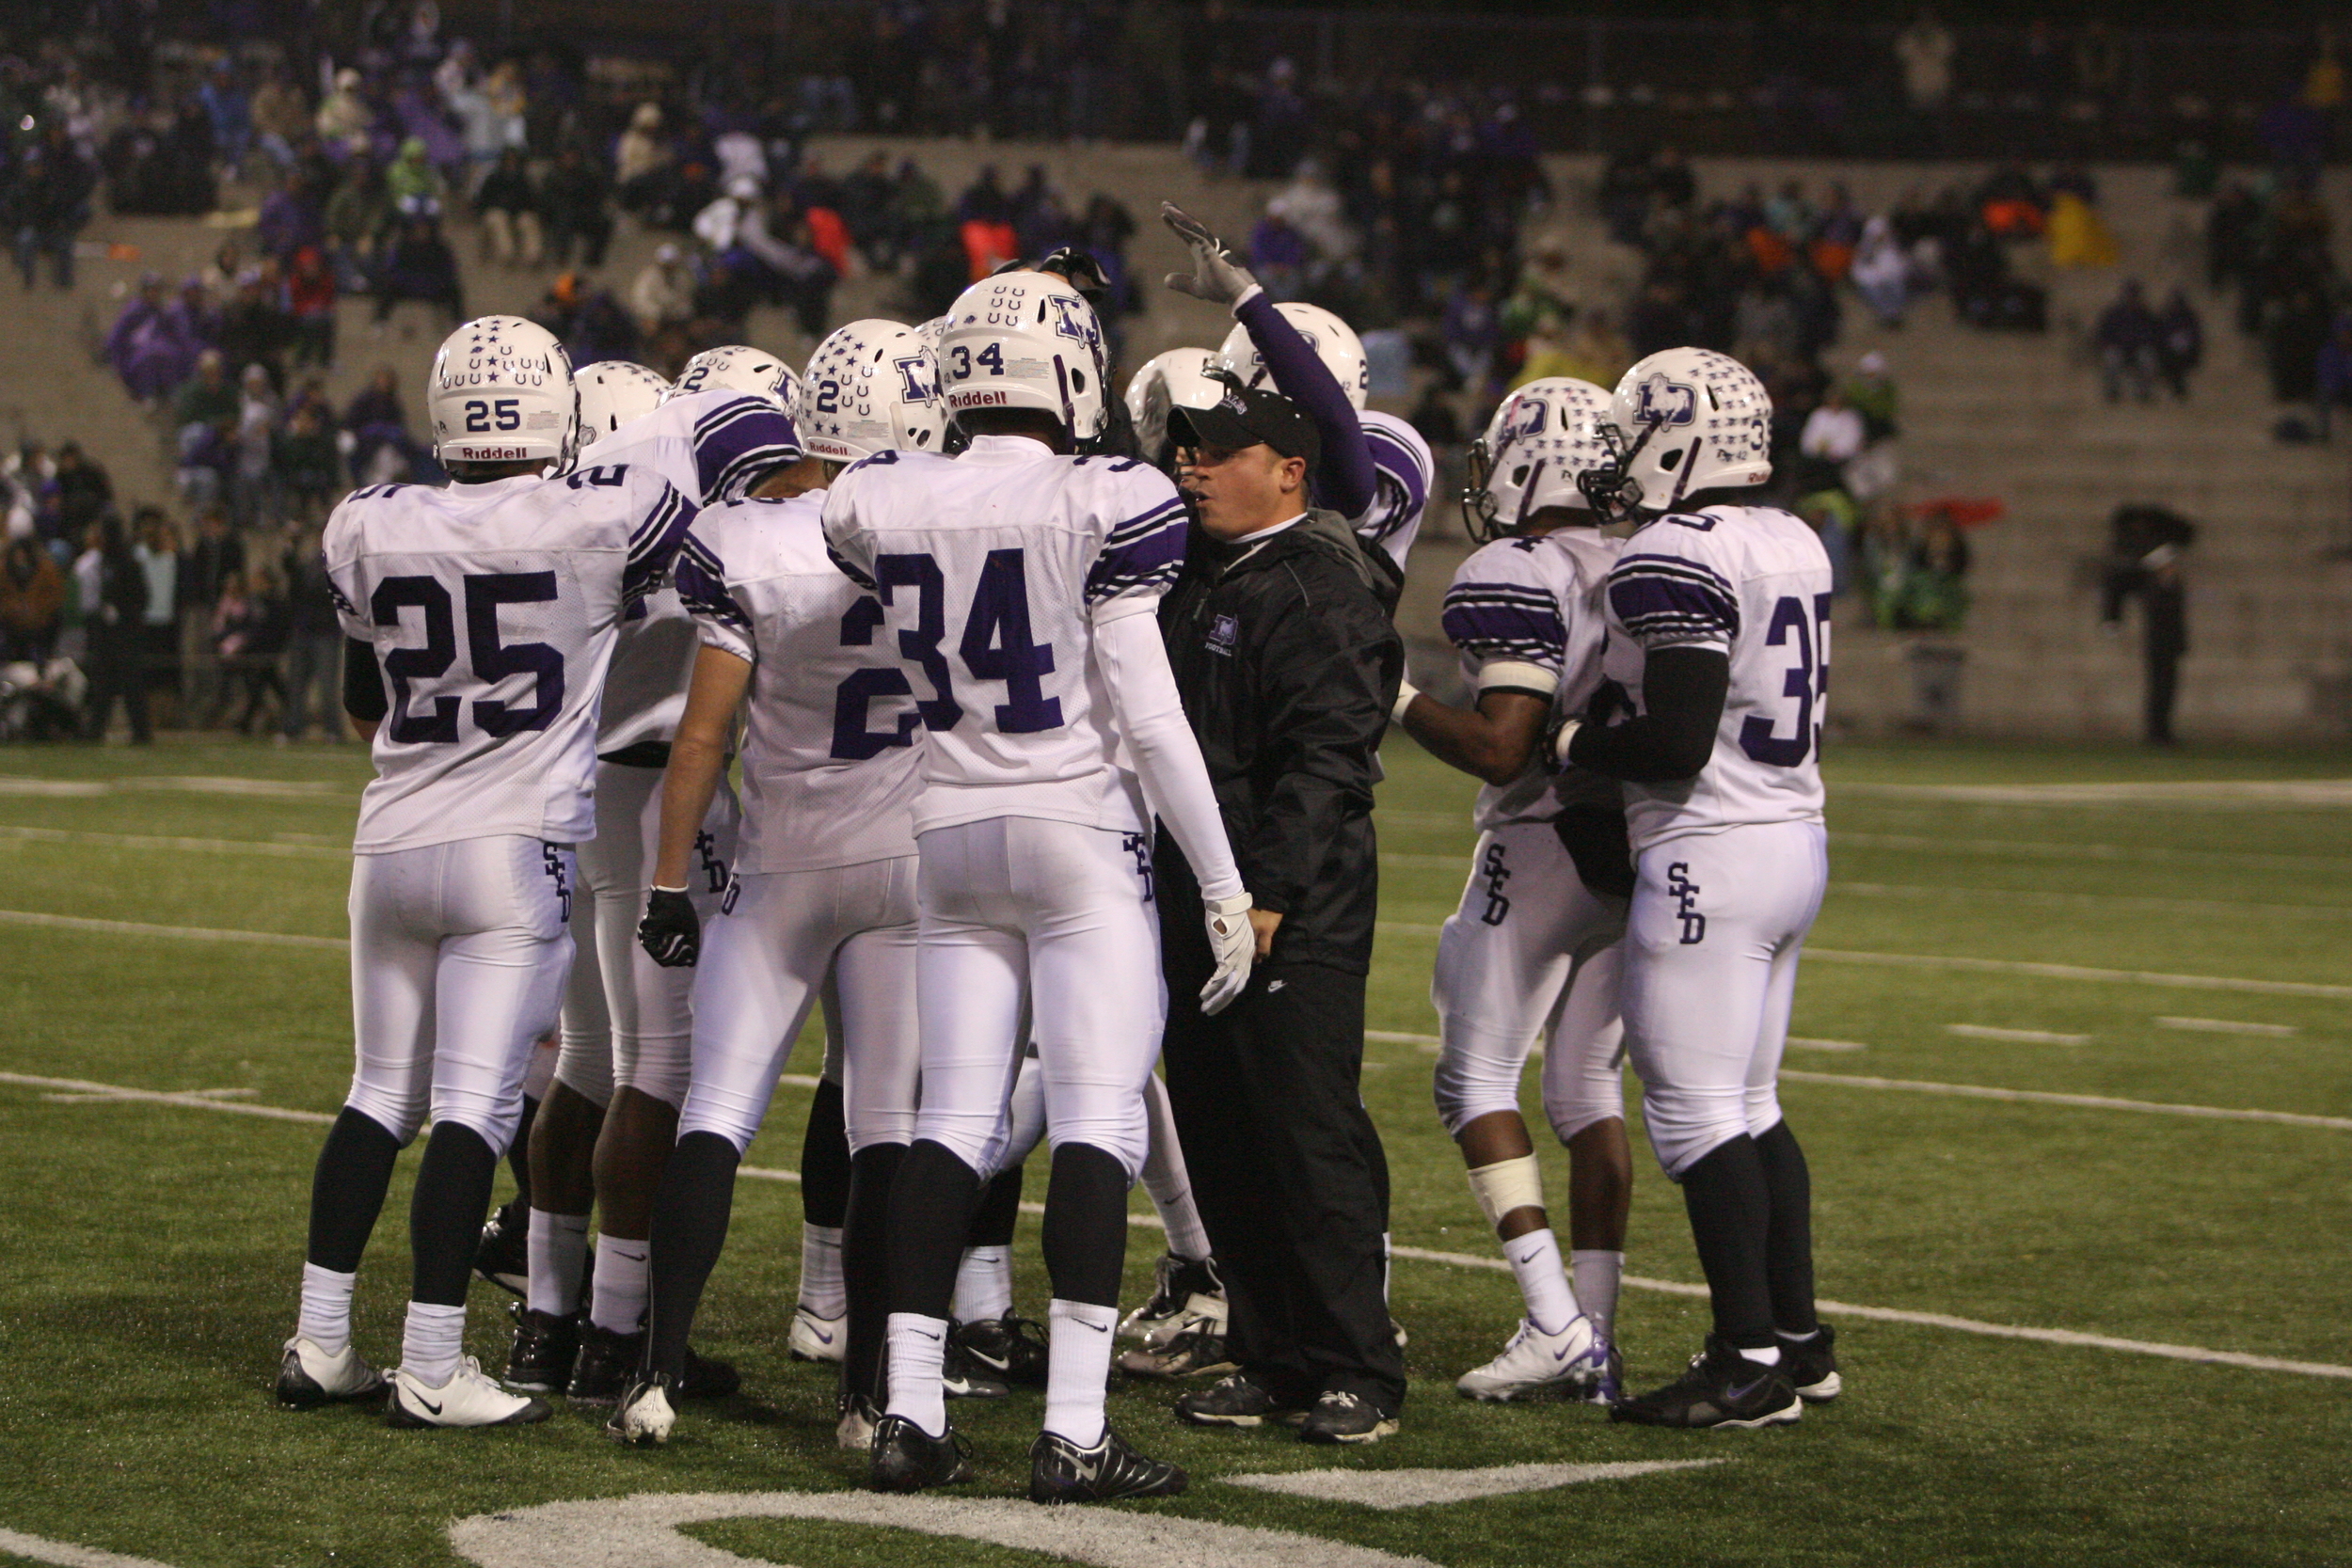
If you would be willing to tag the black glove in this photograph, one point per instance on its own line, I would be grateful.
(671, 932)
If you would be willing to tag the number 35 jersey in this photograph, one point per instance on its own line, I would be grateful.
(992, 568)
(1752, 582)
(493, 609)
(830, 767)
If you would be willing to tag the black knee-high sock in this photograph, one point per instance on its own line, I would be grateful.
(825, 1160)
(445, 1216)
(999, 1210)
(930, 1216)
(519, 1155)
(691, 1211)
(355, 1170)
(1730, 1211)
(1788, 1239)
(1086, 1225)
(866, 1268)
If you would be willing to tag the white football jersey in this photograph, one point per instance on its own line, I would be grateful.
(493, 609)
(830, 767)
(710, 447)
(1754, 583)
(1525, 614)
(989, 566)
(1405, 471)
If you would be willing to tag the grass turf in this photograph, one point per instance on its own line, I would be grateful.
(154, 1249)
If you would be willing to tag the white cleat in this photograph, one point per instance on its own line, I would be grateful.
(644, 1415)
(1536, 1365)
(470, 1399)
(307, 1377)
(814, 1338)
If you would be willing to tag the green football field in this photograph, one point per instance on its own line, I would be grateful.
(2099, 1321)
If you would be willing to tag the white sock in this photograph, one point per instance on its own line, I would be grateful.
(1788, 1337)
(983, 1284)
(432, 1343)
(1535, 1259)
(558, 1250)
(326, 1320)
(1597, 1276)
(1768, 1356)
(1078, 1369)
(918, 1349)
(823, 1291)
(616, 1298)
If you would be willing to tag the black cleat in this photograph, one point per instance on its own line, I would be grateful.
(1062, 1472)
(965, 1378)
(707, 1379)
(1176, 1281)
(1007, 1349)
(1237, 1401)
(908, 1459)
(1812, 1365)
(1720, 1388)
(307, 1377)
(544, 1348)
(503, 1256)
(1344, 1417)
(605, 1367)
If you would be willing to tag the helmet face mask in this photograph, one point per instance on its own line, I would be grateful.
(1544, 441)
(1692, 420)
(871, 385)
(1334, 341)
(1027, 340)
(501, 391)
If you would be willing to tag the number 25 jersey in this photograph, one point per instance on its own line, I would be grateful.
(992, 568)
(493, 609)
(1752, 582)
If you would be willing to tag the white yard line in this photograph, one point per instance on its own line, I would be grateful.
(195, 846)
(1390, 1037)
(2228, 1026)
(140, 928)
(2091, 900)
(2238, 793)
(64, 1554)
(2084, 1102)
(196, 1099)
(1803, 1043)
(2040, 850)
(2076, 972)
(265, 789)
(2024, 1036)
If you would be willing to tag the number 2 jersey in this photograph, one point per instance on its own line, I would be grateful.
(831, 765)
(493, 610)
(1525, 614)
(1752, 582)
(991, 567)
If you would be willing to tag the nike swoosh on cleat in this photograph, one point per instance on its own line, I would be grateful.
(428, 1409)
(1736, 1394)
(822, 1338)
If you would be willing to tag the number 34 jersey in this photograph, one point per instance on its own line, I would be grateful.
(993, 568)
(830, 767)
(1752, 582)
(493, 609)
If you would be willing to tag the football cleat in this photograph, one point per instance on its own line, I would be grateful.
(1009, 1348)
(1184, 1288)
(502, 1255)
(1812, 1366)
(1536, 1365)
(1344, 1417)
(307, 1377)
(961, 1377)
(1062, 1472)
(606, 1365)
(908, 1459)
(644, 1415)
(707, 1379)
(540, 1360)
(1196, 1353)
(470, 1399)
(816, 1338)
(1609, 1387)
(1396, 1332)
(1720, 1388)
(1236, 1400)
(855, 1430)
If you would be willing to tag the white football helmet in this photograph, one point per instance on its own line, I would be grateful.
(932, 331)
(501, 392)
(1691, 419)
(1540, 441)
(611, 393)
(1334, 341)
(737, 369)
(1179, 379)
(1026, 339)
(872, 384)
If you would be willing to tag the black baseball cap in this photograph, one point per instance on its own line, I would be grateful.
(1247, 416)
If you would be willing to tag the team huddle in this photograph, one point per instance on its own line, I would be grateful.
(920, 599)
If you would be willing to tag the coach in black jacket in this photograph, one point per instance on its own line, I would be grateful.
(1280, 636)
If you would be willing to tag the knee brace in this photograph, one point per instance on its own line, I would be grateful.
(1505, 1185)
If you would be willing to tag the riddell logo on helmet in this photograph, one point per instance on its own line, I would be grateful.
(976, 399)
(487, 454)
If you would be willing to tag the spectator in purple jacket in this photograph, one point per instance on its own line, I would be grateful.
(149, 346)
(289, 218)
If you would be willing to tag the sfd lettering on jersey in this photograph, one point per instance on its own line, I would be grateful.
(1686, 897)
(552, 858)
(1139, 845)
(706, 848)
(1498, 908)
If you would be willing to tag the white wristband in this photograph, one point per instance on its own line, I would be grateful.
(659, 888)
(1406, 693)
(1560, 742)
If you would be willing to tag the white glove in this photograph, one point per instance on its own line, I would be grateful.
(1234, 943)
(1216, 276)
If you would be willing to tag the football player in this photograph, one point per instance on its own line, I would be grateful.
(1718, 635)
(1020, 579)
(822, 902)
(483, 724)
(607, 1123)
(1532, 950)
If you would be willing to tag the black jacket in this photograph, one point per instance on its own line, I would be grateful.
(1288, 665)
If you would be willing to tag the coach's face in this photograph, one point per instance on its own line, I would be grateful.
(1242, 491)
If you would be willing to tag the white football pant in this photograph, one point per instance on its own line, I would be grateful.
(782, 940)
(627, 1020)
(457, 959)
(1710, 971)
(1531, 950)
(1019, 908)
